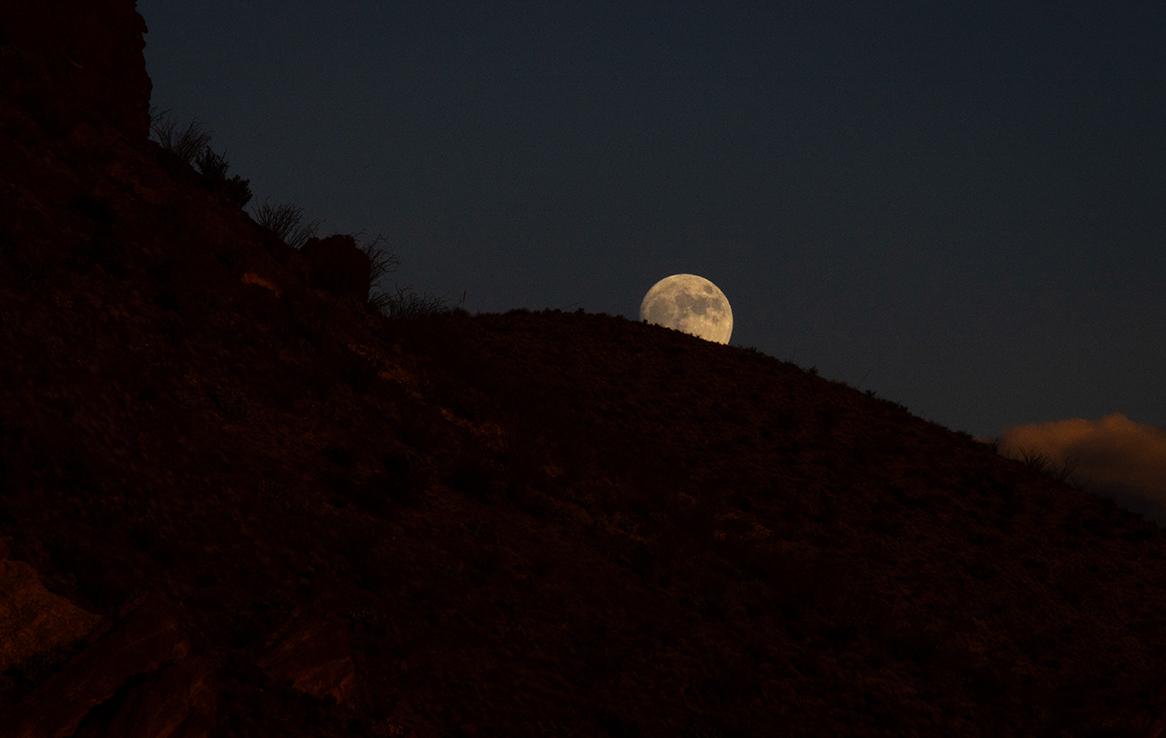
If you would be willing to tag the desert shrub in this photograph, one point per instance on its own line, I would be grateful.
(187, 144)
(381, 260)
(286, 221)
(403, 303)
(1042, 463)
(213, 168)
(406, 304)
(192, 146)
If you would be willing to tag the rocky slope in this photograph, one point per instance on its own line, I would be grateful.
(235, 501)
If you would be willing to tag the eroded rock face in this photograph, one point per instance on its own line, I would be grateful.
(178, 702)
(337, 265)
(33, 620)
(89, 69)
(142, 641)
(314, 655)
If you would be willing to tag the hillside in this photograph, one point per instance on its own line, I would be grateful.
(237, 501)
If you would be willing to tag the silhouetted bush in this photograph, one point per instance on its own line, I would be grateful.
(403, 303)
(406, 304)
(381, 260)
(213, 168)
(192, 146)
(286, 221)
(186, 144)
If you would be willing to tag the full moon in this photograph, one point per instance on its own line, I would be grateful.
(690, 304)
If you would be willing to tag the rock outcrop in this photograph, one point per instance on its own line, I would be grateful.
(313, 655)
(70, 62)
(34, 621)
(179, 701)
(337, 265)
(146, 640)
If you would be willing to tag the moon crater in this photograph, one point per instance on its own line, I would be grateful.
(690, 304)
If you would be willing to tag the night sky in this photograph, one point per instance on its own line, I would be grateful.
(960, 206)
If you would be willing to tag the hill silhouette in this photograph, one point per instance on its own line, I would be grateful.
(235, 500)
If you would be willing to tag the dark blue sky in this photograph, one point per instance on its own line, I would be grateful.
(964, 203)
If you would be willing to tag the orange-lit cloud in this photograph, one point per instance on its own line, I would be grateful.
(1114, 456)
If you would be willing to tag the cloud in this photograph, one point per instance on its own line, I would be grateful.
(1114, 456)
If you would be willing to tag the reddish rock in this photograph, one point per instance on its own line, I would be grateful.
(336, 264)
(1151, 723)
(90, 69)
(178, 702)
(145, 638)
(406, 720)
(314, 656)
(261, 281)
(33, 620)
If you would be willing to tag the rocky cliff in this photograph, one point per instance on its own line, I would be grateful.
(235, 500)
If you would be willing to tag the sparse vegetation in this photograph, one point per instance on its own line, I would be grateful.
(407, 304)
(192, 146)
(403, 303)
(382, 260)
(213, 168)
(287, 221)
(187, 143)
(1043, 463)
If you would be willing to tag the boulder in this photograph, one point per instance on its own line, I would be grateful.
(33, 620)
(314, 656)
(181, 701)
(337, 265)
(144, 637)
